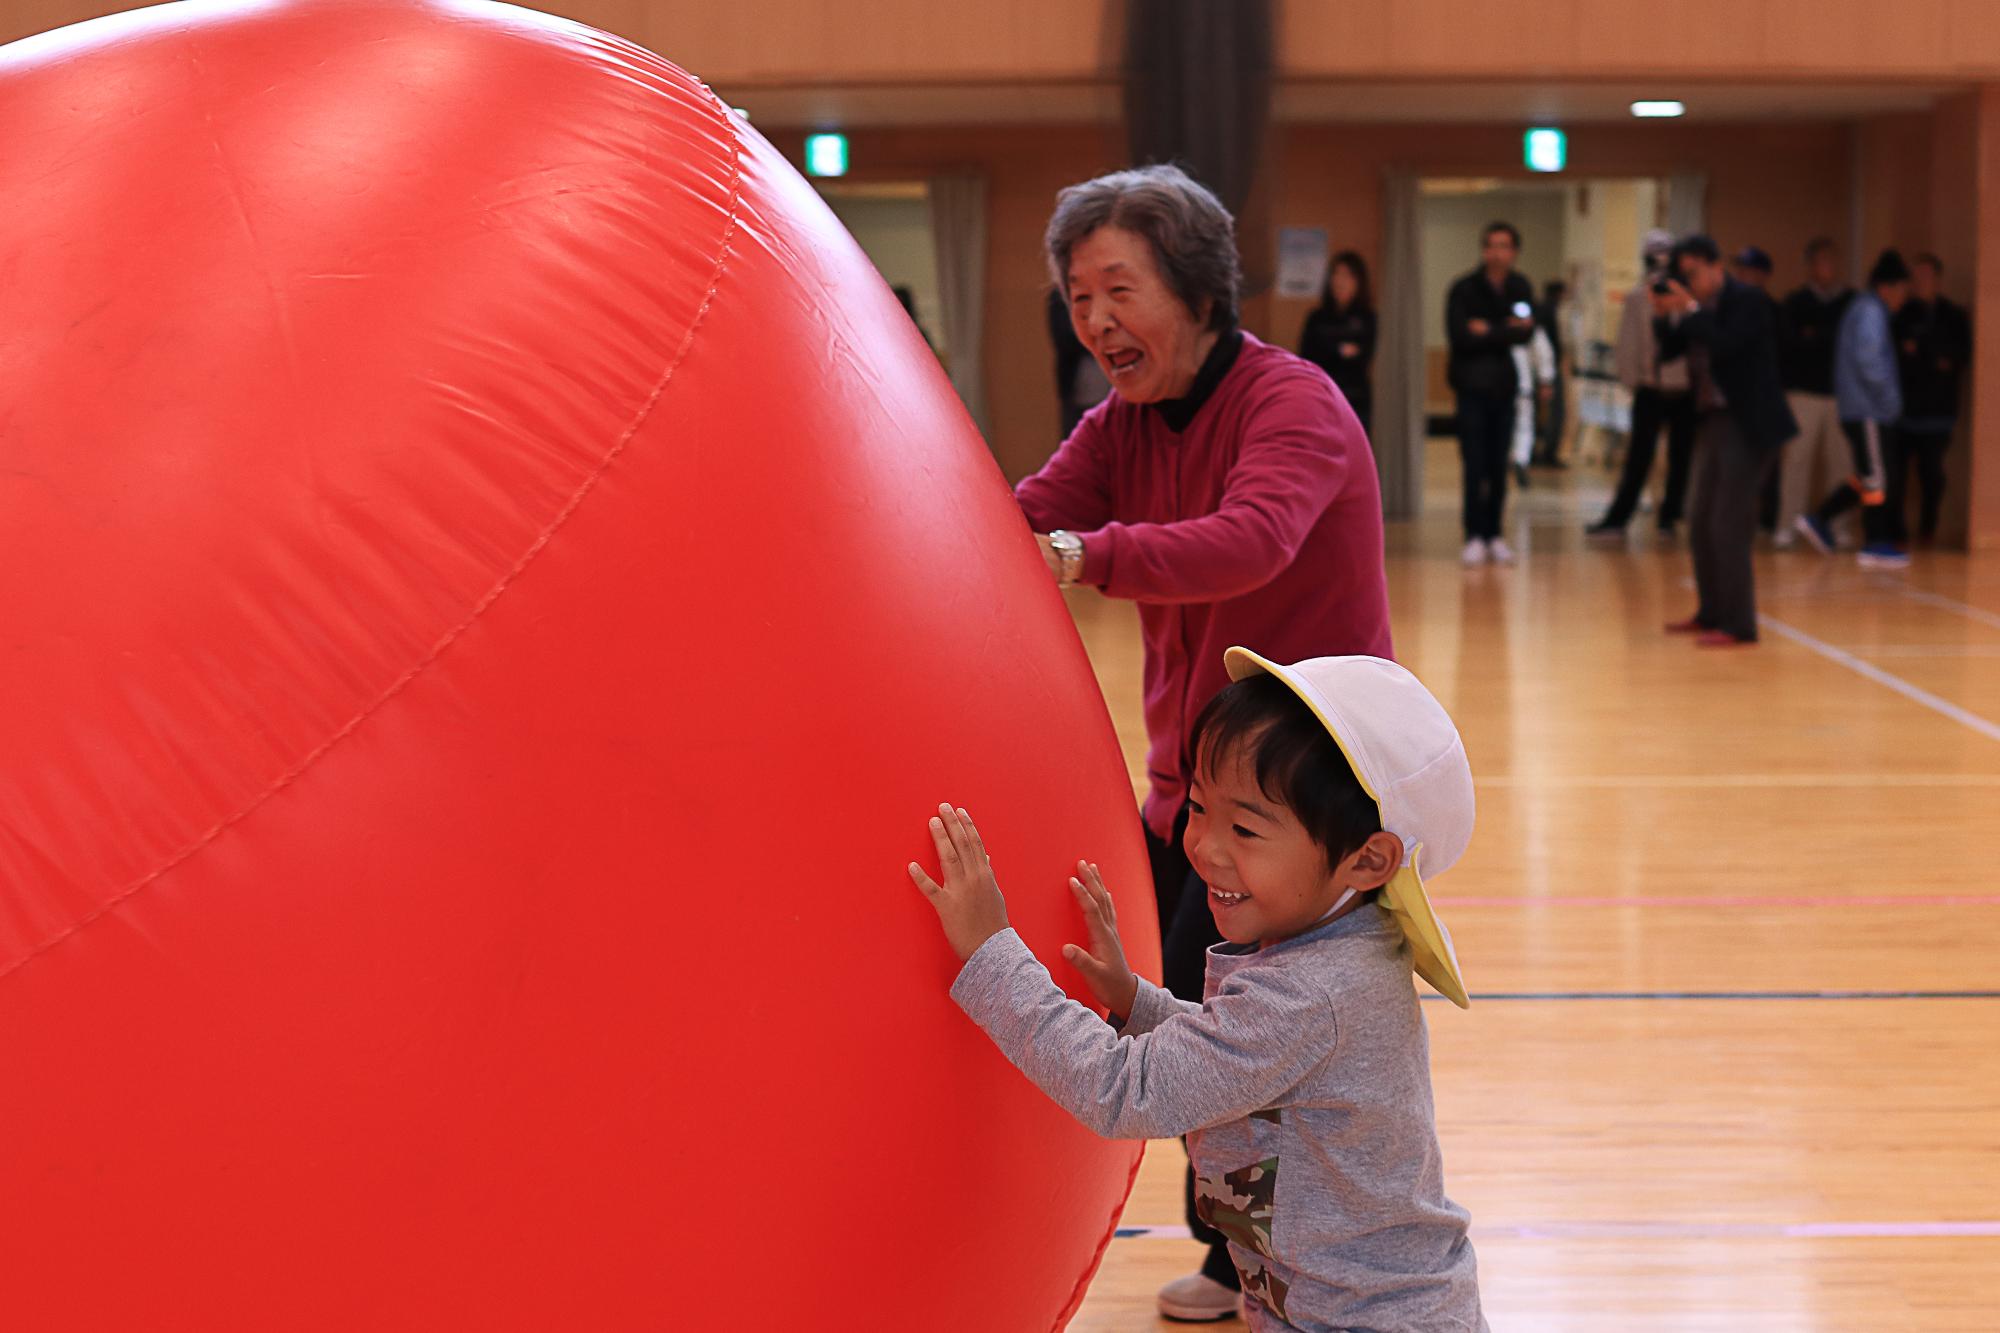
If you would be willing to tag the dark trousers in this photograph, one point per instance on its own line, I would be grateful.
(1187, 929)
(1925, 448)
(1868, 487)
(1554, 420)
(1485, 441)
(1723, 524)
(1651, 410)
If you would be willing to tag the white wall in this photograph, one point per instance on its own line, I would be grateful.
(1450, 225)
(894, 230)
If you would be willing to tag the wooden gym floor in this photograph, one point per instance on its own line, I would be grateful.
(1735, 919)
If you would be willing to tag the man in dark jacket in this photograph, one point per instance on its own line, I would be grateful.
(1488, 311)
(1726, 329)
(1934, 346)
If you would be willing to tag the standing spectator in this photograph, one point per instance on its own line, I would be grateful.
(1661, 396)
(1339, 335)
(1487, 313)
(1752, 268)
(1226, 488)
(1870, 395)
(1555, 421)
(1934, 346)
(1808, 321)
(1725, 329)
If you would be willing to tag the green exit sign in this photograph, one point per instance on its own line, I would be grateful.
(826, 155)
(1545, 149)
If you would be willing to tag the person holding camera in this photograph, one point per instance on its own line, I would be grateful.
(1728, 333)
(1660, 397)
(1488, 312)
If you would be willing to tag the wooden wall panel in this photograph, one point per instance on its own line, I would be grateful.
(767, 43)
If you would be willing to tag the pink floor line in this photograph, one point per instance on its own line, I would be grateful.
(1723, 900)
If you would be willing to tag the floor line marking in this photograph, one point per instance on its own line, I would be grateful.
(1641, 782)
(1562, 903)
(1942, 651)
(1916, 694)
(1676, 1230)
(1729, 995)
(1978, 614)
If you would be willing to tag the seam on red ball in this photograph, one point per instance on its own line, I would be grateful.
(1110, 1231)
(298, 770)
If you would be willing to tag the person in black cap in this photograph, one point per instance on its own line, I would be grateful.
(1725, 329)
(1934, 343)
(1870, 394)
(1752, 268)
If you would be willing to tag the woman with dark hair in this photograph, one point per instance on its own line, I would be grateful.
(1223, 485)
(1339, 334)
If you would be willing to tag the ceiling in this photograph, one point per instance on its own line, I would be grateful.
(1350, 103)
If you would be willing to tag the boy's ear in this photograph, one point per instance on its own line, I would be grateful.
(1375, 862)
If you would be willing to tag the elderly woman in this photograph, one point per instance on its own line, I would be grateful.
(1226, 487)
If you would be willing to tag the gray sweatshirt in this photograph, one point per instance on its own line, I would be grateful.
(1303, 1084)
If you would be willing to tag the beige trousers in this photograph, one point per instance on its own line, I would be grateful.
(1816, 459)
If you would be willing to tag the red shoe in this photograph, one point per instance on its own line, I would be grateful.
(1688, 626)
(1718, 638)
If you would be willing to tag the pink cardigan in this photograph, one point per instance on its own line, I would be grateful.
(1260, 524)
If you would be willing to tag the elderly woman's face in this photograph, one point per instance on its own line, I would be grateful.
(1145, 340)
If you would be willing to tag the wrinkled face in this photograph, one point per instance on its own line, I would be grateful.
(1823, 267)
(1267, 879)
(1498, 252)
(1344, 285)
(1924, 282)
(1145, 340)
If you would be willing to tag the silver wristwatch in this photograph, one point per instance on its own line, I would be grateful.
(1069, 548)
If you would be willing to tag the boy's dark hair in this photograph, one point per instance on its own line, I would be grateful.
(1294, 758)
(1513, 234)
(1889, 268)
(1696, 246)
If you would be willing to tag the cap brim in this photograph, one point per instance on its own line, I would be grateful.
(1431, 952)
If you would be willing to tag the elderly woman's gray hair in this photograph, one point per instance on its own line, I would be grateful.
(1192, 236)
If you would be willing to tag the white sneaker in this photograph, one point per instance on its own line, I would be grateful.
(1198, 1299)
(1474, 553)
(1500, 552)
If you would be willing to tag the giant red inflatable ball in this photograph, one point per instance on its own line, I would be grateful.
(491, 586)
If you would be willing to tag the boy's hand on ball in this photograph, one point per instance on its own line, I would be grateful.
(969, 903)
(1103, 965)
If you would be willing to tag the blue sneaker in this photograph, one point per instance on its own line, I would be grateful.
(1881, 555)
(1817, 534)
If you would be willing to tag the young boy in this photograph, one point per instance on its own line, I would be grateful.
(1302, 1080)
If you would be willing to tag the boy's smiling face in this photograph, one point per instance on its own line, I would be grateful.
(1267, 879)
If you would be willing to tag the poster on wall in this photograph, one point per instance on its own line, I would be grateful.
(1301, 262)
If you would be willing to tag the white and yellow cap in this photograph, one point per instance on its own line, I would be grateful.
(1407, 753)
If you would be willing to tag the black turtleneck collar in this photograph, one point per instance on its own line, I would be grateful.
(1179, 413)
